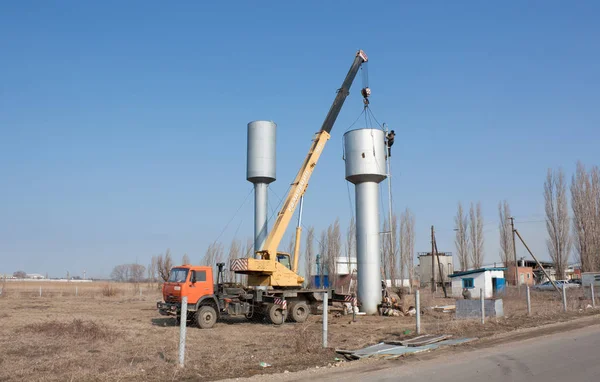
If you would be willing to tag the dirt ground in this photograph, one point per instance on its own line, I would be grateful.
(60, 336)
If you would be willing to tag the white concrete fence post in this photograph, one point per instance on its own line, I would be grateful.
(325, 303)
(40, 291)
(482, 298)
(528, 301)
(593, 297)
(76, 292)
(418, 307)
(564, 297)
(182, 327)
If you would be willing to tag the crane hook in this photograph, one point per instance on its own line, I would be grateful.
(366, 92)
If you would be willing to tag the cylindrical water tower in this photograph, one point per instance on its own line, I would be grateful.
(260, 171)
(365, 155)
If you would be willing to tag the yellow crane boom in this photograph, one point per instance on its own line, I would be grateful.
(273, 268)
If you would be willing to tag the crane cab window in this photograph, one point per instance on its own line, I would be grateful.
(284, 258)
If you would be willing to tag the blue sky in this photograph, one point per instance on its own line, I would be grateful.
(123, 124)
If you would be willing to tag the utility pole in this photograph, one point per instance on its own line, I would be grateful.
(437, 255)
(538, 263)
(432, 262)
(512, 224)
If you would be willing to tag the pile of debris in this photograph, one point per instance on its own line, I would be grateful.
(395, 349)
(396, 310)
(391, 305)
(445, 308)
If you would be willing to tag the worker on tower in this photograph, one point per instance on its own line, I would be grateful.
(390, 142)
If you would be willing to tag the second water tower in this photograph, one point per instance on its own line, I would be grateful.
(365, 156)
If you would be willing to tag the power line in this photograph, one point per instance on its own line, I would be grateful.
(371, 112)
(350, 200)
(234, 215)
(356, 120)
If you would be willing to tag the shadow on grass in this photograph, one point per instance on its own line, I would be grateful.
(164, 321)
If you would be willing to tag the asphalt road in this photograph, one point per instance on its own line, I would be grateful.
(568, 356)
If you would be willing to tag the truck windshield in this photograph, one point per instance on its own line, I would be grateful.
(178, 275)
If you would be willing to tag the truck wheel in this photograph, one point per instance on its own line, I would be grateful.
(275, 314)
(206, 317)
(299, 311)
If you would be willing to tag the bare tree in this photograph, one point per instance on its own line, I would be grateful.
(247, 251)
(506, 239)
(476, 233)
(309, 255)
(402, 247)
(351, 244)
(462, 239)
(213, 254)
(582, 217)
(585, 202)
(20, 274)
(152, 270)
(234, 253)
(290, 246)
(391, 251)
(137, 272)
(334, 251)
(557, 220)
(133, 273)
(385, 251)
(185, 259)
(398, 266)
(164, 264)
(407, 244)
(322, 257)
(595, 175)
(120, 273)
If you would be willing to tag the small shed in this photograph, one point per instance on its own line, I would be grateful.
(491, 280)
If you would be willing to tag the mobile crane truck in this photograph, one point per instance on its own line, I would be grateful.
(275, 288)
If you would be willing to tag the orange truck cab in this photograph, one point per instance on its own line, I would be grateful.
(195, 282)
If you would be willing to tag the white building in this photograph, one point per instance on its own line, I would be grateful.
(35, 276)
(491, 280)
(345, 265)
(424, 268)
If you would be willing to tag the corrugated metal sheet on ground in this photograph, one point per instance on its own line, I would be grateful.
(374, 349)
(419, 349)
(422, 340)
(389, 351)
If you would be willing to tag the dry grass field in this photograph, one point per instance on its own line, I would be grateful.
(89, 337)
